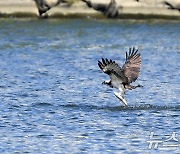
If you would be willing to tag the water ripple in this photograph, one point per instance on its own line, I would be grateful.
(52, 99)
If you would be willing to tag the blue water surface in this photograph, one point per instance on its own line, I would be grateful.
(52, 99)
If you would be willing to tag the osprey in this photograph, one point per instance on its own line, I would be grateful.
(120, 78)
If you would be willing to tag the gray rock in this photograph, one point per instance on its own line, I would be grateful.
(110, 10)
(43, 6)
(173, 6)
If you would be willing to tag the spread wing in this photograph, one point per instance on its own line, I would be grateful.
(112, 69)
(132, 65)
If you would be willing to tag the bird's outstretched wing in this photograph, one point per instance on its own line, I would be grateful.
(112, 69)
(132, 65)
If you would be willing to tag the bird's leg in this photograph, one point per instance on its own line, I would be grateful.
(121, 98)
(130, 87)
(120, 95)
(138, 85)
(107, 82)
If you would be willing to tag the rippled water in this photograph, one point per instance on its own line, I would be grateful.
(51, 96)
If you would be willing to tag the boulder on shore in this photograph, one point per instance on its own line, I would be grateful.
(133, 9)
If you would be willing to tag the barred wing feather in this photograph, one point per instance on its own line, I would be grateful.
(112, 69)
(131, 68)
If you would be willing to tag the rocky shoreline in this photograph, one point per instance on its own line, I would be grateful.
(128, 9)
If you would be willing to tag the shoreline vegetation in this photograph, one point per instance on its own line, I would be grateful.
(127, 9)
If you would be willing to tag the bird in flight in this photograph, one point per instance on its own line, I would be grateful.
(122, 77)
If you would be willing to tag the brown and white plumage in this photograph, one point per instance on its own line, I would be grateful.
(121, 77)
(131, 68)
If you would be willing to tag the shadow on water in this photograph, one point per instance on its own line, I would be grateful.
(122, 108)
